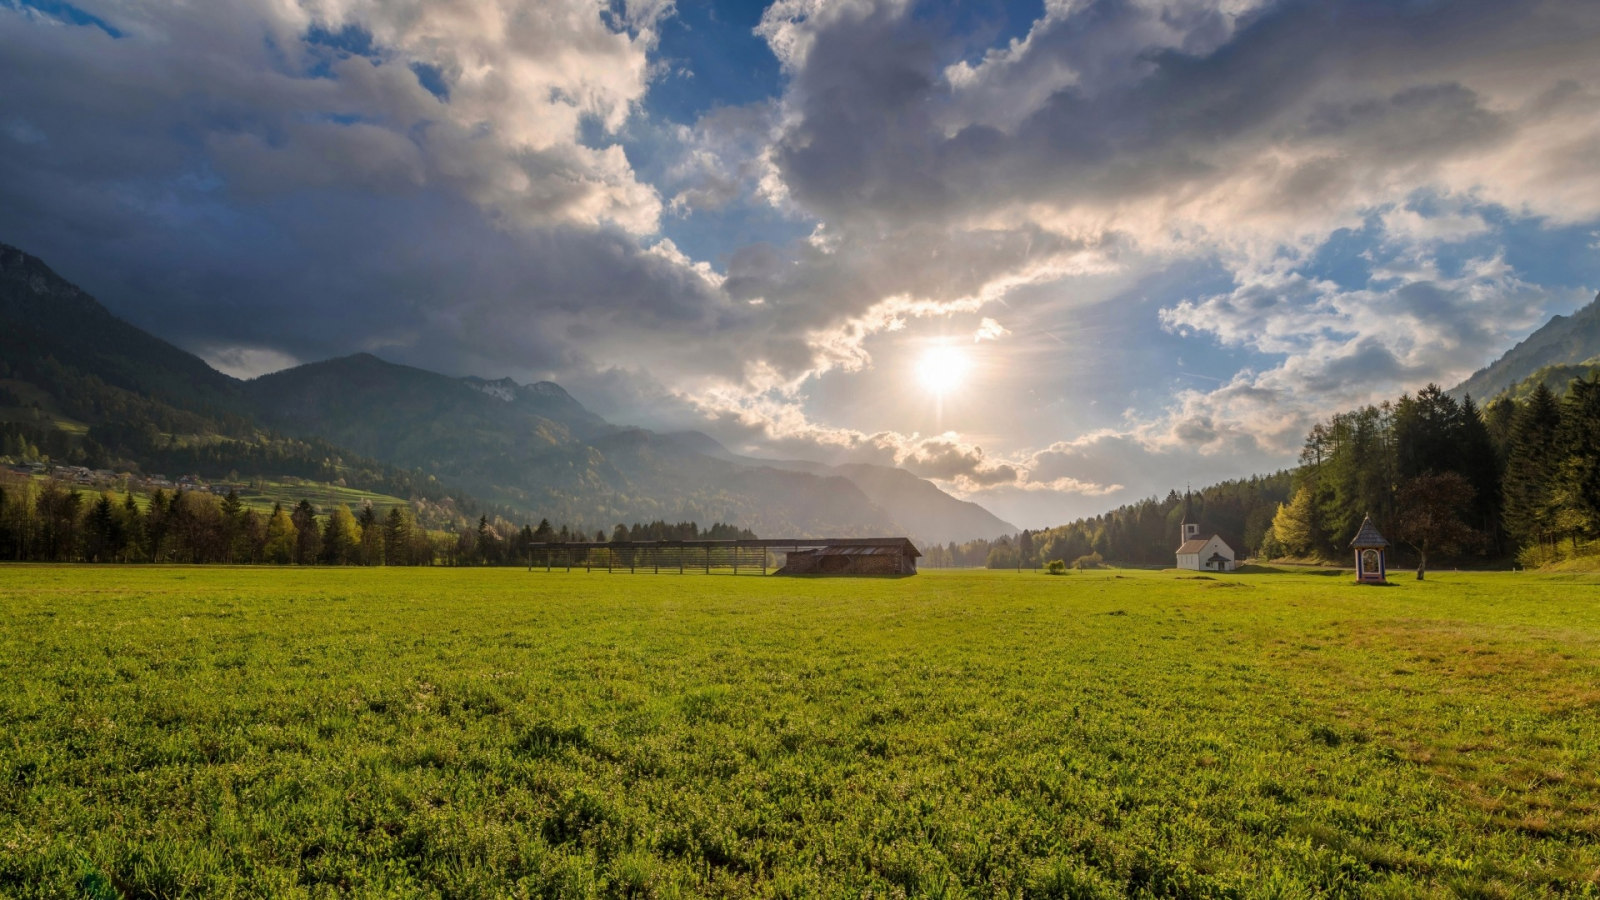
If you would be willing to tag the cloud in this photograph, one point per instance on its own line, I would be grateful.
(247, 362)
(277, 98)
(1344, 348)
(989, 330)
(481, 187)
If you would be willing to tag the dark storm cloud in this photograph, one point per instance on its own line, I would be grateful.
(1159, 98)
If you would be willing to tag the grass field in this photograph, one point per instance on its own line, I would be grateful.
(170, 732)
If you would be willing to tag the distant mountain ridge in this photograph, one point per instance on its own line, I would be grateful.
(1564, 340)
(529, 448)
(939, 517)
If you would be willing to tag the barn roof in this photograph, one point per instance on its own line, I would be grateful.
(860, 547)
(1368, 536)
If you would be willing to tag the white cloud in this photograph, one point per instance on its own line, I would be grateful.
(989, 330)
(247, 362)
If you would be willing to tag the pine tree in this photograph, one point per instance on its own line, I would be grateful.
(232, 523)
(1426, 434)
(341, 537)
(396, 536)
(487, 546)
(371, 536)
(133, 529)
(308, 537)
(1480, 465)
(104, 531)
(1532, 464)
(1577, 489)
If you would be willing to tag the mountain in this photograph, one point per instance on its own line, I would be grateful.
(535, 449)
(1557, 378)
(934, 516)
(1564, 340)
(47, 317)
(91, 388)
(88, 388)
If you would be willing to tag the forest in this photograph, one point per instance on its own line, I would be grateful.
(44, 520)
(1516, 481)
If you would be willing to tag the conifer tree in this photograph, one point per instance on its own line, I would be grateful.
(104, 531)
(396, 537)
(1577, 489)
(232, 523)
(308, 537)
(371, 536)
(1532, 464)
(341, 537)
(1480, 465)
(133, 530)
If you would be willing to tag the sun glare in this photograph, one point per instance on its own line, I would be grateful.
(943, 369)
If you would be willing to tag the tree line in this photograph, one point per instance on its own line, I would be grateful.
(1146, 532)
(499, 543)
(1516, 479)
(47, 521)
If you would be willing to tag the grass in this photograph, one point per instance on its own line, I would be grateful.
(171, 732)
(321, 495)
(260, 497)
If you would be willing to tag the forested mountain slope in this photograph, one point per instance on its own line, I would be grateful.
(89, 387)
(85, 387)
(1564, 340)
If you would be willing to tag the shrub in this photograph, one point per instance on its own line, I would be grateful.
(1092, 561)
(1055, 567)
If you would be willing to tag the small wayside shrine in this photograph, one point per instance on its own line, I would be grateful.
(1372, 554)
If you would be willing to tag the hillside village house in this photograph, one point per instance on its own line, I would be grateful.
(1202, 553)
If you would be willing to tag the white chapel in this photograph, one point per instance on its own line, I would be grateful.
(1202, 553)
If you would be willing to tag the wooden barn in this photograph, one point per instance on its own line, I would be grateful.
(854, 556)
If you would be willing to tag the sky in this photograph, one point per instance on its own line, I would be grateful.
(1056, 256)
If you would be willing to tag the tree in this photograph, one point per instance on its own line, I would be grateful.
(283, 537)
(487, 544)
(232, 523)
(1429, 509)
(1294, 527)
(104, 531)
(1577, 488)
(396, 537)
(1427, 433)
(1480, 465)
(1532, 464)
(133, 531)
(1025, 548)
(252, 536)
(341, 537)
(308, 537)
(371, 536)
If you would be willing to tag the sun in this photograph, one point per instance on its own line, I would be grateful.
(943, 369)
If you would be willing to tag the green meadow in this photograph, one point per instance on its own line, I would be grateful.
(215, 732)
